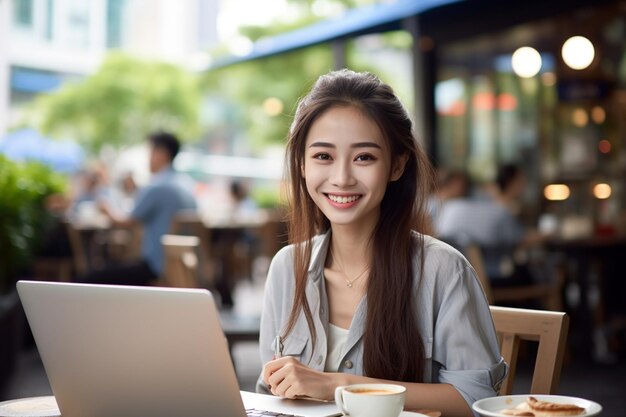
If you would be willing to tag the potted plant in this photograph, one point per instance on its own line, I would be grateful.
(24, 188)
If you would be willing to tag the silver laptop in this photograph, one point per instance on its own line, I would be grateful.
(140, 351)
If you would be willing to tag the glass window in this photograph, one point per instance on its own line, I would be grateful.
(49, 19)
(77, 31)
(23, 12)
(115, 14)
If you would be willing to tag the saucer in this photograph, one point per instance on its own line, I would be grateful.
(492, 407)
(30, 407)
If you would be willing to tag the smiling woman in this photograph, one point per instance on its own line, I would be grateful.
(362, 294)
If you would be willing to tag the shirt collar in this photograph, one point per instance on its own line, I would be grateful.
(319, 252)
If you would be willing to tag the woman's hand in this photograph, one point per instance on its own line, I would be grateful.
(287, 377)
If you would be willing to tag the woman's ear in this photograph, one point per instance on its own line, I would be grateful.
(398, 167)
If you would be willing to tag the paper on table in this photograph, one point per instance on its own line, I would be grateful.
(307, 408)
(30, 407)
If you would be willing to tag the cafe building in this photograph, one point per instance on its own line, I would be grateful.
(537, 83)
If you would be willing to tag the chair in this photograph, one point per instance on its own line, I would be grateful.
(79, 254)
(188, 222)
(181, 261)
(124, 244)
(548, 328)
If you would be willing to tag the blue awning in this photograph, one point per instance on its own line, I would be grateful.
(34, 81)
(354, 22)
(30, 145)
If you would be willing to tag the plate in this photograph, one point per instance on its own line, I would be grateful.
(491, 407)
(30, 407)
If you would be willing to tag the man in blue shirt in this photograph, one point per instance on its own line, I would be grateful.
(155, 206)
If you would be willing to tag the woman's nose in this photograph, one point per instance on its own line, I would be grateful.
(342, 174)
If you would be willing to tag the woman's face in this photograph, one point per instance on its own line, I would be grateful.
(347, 165)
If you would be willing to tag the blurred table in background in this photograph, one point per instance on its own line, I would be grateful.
(595, 278)
(230, 245)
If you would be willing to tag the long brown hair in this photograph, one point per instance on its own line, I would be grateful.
(392, 343)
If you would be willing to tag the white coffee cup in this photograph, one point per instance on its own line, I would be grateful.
(370, 400)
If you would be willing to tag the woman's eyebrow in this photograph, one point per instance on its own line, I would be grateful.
(353, 145)
(321, 145)
(365, 145)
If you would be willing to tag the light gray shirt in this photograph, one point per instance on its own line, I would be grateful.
(453, 317)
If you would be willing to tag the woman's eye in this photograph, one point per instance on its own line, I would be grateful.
(365, 157)
(322, 156)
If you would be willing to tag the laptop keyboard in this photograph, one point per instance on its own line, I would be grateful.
(259, 413)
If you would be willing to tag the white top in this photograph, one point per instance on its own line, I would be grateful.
(337, 338)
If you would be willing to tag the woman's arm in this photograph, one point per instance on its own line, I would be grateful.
(286, 377)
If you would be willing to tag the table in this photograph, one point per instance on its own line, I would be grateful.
(94, 243)
(586, 254)
(229, 244)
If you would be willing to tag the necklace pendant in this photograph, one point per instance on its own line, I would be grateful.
(349, 285)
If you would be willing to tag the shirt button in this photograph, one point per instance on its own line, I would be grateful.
(319, 360)
(348, 364)
(322, 310)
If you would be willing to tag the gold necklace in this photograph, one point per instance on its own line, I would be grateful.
(349, 282)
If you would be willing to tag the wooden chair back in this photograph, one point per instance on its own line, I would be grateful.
(181, 261)
(548, 328)
(79, 253)
(188, 222)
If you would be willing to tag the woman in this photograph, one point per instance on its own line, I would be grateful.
(361, 295)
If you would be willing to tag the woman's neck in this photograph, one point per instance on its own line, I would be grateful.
(353, 248)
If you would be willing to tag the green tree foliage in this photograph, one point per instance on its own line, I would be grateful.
(123, 101)
(24, 188)
(249, 84)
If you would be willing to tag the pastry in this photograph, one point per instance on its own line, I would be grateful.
(533, 407)
(550, 409)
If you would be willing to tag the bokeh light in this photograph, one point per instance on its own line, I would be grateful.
(602, 191)
(273, 106)
(598, 115)
(556, 192)
(580, 118)
(578, 52)
(526, 62)
(604, 146)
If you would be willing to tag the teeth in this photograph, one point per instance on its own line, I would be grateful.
(343, 199)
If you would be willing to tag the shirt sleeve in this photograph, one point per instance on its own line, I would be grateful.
(465, 343)
(270, 320)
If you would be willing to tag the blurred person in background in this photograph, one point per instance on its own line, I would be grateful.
(127, 191)
(155, 206)
(243, 204)
(491, 222)
(450, 184)
(93, 186)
